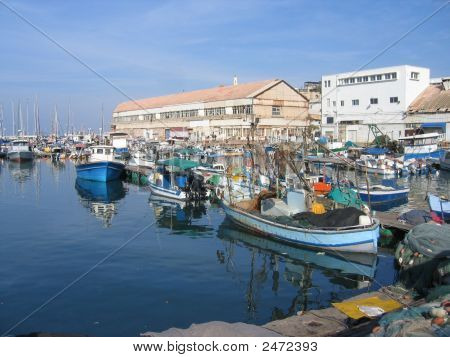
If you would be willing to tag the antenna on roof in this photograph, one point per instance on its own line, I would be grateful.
(235, 80)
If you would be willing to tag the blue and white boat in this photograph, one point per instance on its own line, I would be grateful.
(421, 146)
(387, 193)
(440, 206)
(101, 165)
(361, 238)
(170, 178)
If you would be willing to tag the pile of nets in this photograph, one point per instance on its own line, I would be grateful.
(341, 217)
(424, 257)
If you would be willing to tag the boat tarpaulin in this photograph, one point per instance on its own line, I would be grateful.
(433, 125)
(375, 151)
(179, 163)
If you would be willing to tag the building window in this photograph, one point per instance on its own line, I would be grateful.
(179, 114)
(365, 78)
(215, 111)
(394, 75)
(355, 102)
(387, 76)
(379, 77)
(372, 78)
(359, 79)
(328, 102)
(150, 117)
(334, 103)
(342, 103)
(393, 99)
(352, 80)
(242, 109)
(373, 100)
(330, 120)
(276, 110)
(414, 75)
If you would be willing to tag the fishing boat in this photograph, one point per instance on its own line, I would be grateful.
(20, 150)
(440, 206)
(444, 161)
(141, 159)
(101, 165)
(387, 193)
(211, 168)
(361, 236)
(171, 178)
(375, 166)
(421, 146)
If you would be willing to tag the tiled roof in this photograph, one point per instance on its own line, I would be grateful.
(244, 90)
(434, 99)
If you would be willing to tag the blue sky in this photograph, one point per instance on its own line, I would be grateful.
(150, 48)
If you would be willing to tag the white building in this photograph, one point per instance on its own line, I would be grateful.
(430, 111)
(351, 101)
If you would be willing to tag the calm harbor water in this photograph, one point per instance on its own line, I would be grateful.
(191, 266)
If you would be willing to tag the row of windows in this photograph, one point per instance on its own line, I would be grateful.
(242, 109)
(371, 78)
(210, 112)
(180, 114)
(356, 101)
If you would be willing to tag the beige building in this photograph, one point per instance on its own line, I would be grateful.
(270, 109)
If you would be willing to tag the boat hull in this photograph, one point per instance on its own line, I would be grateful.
(363, 240)
(19, 156)
(167, 192)
(440, 207)
(102, 171)
(445, 165)
(380, 197)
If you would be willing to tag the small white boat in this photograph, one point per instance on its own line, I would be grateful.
(375, 166)
(142, 159)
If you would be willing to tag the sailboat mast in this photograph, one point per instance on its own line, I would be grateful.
(13, 119)
(103, 119)
(1, 121)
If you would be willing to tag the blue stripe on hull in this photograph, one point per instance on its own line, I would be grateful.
(384, 198)
(100, 171)
(435, 154)
(354, 240)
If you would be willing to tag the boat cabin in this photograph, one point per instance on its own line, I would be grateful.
(20, 145)
(421, 143)
(102, 153)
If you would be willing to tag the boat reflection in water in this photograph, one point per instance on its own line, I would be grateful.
(100, 197)
(178, 216)
(300, 267)
(21, 171)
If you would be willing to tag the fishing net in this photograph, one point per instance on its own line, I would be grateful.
(424, 257)
(343, 217)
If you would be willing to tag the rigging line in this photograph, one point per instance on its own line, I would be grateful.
(76, 280)
(387, 48)
(75, 57)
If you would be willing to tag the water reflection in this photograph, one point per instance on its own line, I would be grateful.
(178, 216)
(296, 266)
(100, 198)
(21, 171)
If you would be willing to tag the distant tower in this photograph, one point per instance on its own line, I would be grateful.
(235, 81)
